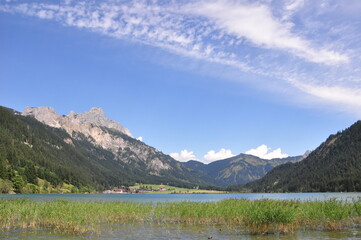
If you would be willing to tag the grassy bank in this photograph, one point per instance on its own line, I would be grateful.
(261, 216)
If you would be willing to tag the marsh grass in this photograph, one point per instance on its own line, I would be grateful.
(260, 216)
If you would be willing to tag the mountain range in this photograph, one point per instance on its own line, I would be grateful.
(88, 150)
(42, 151)
(239, 169)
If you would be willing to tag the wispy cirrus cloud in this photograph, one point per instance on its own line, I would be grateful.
(303, 45)
(336, 94)
(256, 23)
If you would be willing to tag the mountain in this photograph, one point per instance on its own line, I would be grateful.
(334, 166)
(240, 169)
(100, 131)
(86, 151)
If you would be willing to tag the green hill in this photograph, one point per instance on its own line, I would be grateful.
(334, 166)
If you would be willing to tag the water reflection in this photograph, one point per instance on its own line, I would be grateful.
(185, 197)
(178, 231)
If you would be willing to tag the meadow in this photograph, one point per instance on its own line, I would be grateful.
(256, 217)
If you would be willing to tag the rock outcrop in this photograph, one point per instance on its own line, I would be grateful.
(74, 121)
(103, 132)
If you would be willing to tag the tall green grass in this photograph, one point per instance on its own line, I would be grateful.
(261, 216)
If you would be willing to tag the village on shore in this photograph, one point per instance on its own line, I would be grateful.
(136, 189)
(152, 188)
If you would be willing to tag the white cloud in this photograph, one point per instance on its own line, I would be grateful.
(258, 37)
(183, 156)
(221, 154)
(189, 28)
(140, 139)
(345, 97)
(256, 23)
(263, 152)
(292, 5)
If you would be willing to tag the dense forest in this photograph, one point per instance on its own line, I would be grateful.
(335, 166)
(37, 158)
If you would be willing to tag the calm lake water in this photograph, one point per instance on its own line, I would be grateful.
(179, 231)
(185, 197)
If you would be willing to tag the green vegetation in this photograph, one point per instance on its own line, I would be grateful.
(35, 159)
(335, 166)
(261, 216)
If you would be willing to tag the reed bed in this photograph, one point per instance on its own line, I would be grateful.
(260, 216)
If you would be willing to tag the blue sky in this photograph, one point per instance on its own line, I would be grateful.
(195, 79)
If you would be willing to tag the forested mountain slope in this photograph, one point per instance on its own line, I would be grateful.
(334, 166)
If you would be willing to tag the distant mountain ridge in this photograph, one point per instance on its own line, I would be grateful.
(334, 166)
(239, 169)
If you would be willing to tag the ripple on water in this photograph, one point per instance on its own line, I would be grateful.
(185, 197)
(178, 231)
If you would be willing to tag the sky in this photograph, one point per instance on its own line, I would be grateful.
(202, 80)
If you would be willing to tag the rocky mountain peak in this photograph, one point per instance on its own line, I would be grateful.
(306, 154)
(94, 114)
(74, 121)
(45, 115)
(97, 110)
(95, 126)
(97, 117)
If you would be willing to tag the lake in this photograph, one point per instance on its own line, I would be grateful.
(185, 197)
(180, 231)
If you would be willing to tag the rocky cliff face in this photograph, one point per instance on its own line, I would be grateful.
(103, 132)
(74, 122)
